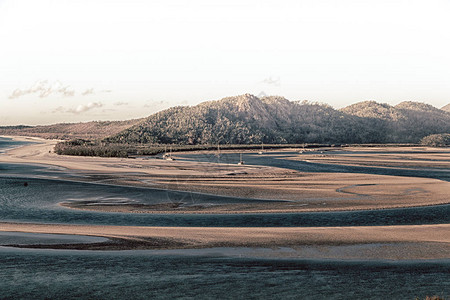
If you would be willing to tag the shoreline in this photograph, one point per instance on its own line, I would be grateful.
(302, 192)
(377, 242)
(222, 209)
(341, 191)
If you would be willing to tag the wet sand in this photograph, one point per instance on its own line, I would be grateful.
(398, 157)
(371, 242)
(303, 191)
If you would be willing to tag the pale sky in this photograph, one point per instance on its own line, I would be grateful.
(70, 61)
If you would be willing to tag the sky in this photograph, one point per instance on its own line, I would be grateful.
(72, 61)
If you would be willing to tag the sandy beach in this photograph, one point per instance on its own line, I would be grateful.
(398, 157)
(303, 191)
(397, 242)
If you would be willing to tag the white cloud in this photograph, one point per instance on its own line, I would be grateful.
(87, 92)
(261, 94)
(44, 89)
(82, 108)
(272, 81)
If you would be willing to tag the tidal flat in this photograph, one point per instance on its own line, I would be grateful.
(325, 223)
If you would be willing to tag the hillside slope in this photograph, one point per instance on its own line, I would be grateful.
(406, 122)
(88, 130)
(247, 119)
(446, 107)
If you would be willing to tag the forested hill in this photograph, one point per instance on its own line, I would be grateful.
(87, 130)
(406, 122)
(247, 119)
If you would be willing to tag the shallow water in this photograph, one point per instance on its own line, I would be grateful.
(24, 238)
(275, 159)
(38, 202)
(7, 143)
(67, 274)
(35, 274)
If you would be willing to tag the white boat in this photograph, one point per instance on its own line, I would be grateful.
(262, 149)
(241, 162)
(218, 150)
(168, 156)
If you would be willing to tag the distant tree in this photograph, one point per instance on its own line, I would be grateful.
(436, 140)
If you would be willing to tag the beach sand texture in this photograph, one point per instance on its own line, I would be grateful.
(305, 191)
(340, 191)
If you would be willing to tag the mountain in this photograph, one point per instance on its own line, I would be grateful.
(248, 119)
(406, 122)
(422, 119)
(88, 130)
(234, 120)
(372, 109)
(446, 107)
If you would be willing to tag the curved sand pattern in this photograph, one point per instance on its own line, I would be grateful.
(340, 191)
(305, 191)
(378, 242)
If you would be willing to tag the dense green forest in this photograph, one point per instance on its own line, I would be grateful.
(247, 119)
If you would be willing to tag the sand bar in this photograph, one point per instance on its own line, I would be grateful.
(389, 242)
(398, 157)
(305, 191)
(348, 191)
